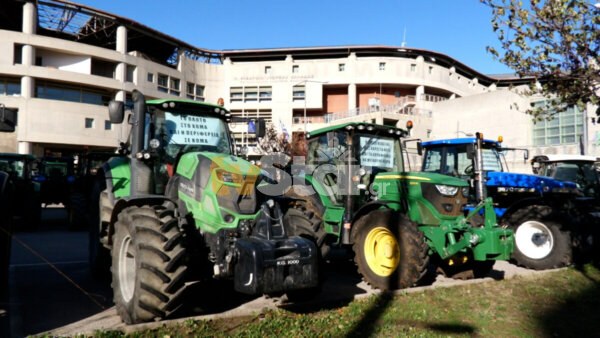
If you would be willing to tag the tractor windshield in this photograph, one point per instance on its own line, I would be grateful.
(452, 159)
(182, 133)
(379, 153)
(376, 152)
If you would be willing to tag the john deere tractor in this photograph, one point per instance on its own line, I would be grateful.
(181, 207)
(354, 195)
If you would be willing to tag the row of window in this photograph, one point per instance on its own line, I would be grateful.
(565, 128)
(172, 85)
(342, 68)
(251, 94)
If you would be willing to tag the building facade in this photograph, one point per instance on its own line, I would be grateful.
(63, 62)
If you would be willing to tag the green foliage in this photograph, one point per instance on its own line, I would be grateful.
(556, 43)
(558, 303)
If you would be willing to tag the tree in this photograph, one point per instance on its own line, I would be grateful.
(555, 43)
(272, 142)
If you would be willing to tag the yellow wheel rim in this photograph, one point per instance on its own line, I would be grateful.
(382, 251)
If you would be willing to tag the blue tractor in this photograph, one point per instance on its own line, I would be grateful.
(551, 220)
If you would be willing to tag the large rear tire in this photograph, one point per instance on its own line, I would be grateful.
(389, 250)
(148, 264)
(303, 218)
(540, 241)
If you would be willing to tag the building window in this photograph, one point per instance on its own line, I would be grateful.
(267, 69)
(250, 94)
(150, 77)
(413, 67)
(64, 92)
(163, 83)
(295, 69)
(174, 86)
(341, 67)
(382, 66)
(130, 73)
(195, 91)
(565, 128)
(89, 123)
(265, 93)
(107, 125)
(10, 86)
(298, 93)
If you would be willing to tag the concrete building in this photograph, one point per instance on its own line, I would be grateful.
(63, 62)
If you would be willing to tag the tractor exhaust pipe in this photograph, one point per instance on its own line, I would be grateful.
(480, 191)
(140, 173)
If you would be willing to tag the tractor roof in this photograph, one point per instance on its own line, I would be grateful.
(361, 126)
(564, 158)
(190, 107)
(458, 141)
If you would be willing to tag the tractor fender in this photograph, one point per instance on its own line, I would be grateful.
(137, 201)
(520, 204)
(374, 205)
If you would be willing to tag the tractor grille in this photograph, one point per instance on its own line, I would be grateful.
(445, 205)
(241, 199)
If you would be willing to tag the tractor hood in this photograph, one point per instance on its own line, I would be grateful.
(532, 183)
(227, 163)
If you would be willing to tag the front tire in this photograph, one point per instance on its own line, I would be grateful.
(540, 242)
(148, 264)
(389, 249)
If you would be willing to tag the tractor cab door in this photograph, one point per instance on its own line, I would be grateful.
(327, 161)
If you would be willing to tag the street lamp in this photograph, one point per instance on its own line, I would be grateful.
(305, 82)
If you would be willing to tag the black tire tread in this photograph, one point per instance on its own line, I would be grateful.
(161, 259)
(562, 254)
(413, 249)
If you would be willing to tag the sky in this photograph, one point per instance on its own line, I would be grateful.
(460, 29)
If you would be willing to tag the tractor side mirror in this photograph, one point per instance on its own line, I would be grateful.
(470, 151)
(116, 112)
(8, 119)
(419, 148)
(525, 155)
(261, 128)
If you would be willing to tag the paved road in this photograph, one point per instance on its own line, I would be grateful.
(51, 288)
(50, 285)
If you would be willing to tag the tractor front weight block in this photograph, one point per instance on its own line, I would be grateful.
(271, 266)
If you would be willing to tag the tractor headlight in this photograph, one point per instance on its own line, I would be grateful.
(228, 177)
(446, 190)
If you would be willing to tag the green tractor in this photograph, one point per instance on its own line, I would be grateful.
(354, 193)
(182, 208)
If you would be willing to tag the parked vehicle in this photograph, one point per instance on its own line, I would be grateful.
(183, 208)
(85, 175)
(354, 195)
(580, 169)
(26, 204)
(8, 120)
(550, 225)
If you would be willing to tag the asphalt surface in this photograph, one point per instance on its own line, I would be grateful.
(52, 291)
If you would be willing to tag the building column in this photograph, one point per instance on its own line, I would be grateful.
(24, 147)
(29, 18)
(121, 69)
(419, 93)
(121, 43)
(352, 96)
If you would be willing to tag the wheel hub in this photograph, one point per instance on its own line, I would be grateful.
(534, 239)
(382, 251)
(126, 269)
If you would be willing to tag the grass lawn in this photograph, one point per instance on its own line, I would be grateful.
(557, 304)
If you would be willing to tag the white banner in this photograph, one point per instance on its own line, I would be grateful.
(376, 152)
